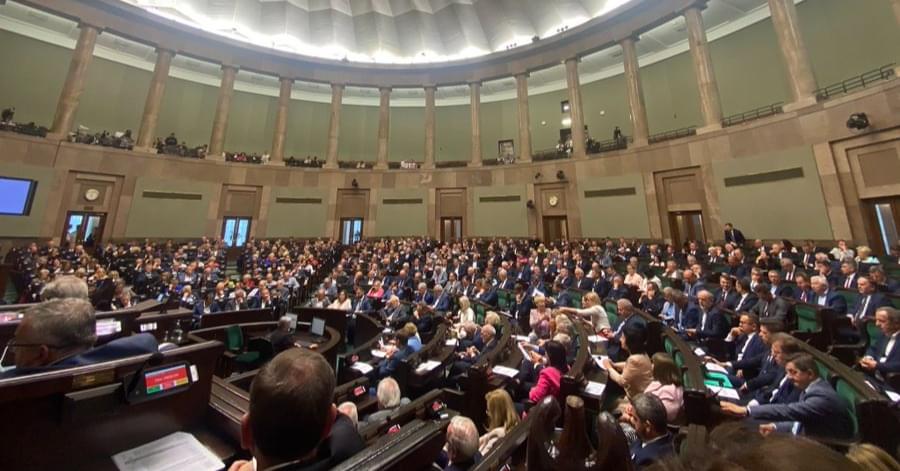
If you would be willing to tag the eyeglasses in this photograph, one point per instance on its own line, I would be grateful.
(12, 344)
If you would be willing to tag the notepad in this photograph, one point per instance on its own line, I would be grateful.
(362, 367)
(428, 366)
(522, 338)
(717, 368)
(378, 353)
(594, 388)
(597, 339)
(699, 352)
(451, 342)
(505, 371)
(724, 393)
(894, 397)
(599, 360)
(177, 451)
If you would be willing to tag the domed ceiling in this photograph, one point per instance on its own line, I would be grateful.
(384, 31)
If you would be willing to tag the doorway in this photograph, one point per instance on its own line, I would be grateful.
(351, 230)
(451, 229)
(235, 231)
(882, 217)
(686, 226)
(555, 228)
(85, 228)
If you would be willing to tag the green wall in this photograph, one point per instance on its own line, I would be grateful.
(251, 123)
(546, 108)
(793, 209)
(401, 219)
(187, 110)
(359, 133)
(499, 122)
(605, 107)
(503, 218)
(297, 219)
(407, 134)
(30, 225)
(614, 216)
(670, 91)
(113, 98)
(307, 132)
(32, 77)
(153, 217)
(453, 133)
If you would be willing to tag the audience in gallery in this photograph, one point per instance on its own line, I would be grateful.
(308, 162)
(170, 146)
(247, 158)
(118, 139)
(30, 128)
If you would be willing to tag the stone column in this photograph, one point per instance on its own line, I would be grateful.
(384, 128)
(74, 84)
(475, 110)
(575, 111)
(281, 120)
(801, 79)
(334, 129)
(896, 5)
(429, 126)
(147, 132)
(710, 103)
(524, 118)
(223, 108)
(640, 129)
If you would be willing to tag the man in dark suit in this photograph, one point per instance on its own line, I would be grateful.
(883, 357)
(849, 276)
(686, 313)
(238, 302)
(824, 296)
(867, 303)
(627, 318)
(777, 287)
(824, 268)
(747, 298)
(394, 356)
(472, 354)
(441, 302)
(726, 296)
(713, 324)
(803, 291)
(423, 295)
(733, 235)
(462, 445)
(769, 306)
(819, 412)
(754, 364)
(648, 417)
(395, 313)
(789, 270)
(503, 281)
(748, 343)
(580, 282)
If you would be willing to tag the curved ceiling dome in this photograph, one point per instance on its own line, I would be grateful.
(384, 31)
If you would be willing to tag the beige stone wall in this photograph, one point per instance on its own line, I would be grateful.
(729, 152)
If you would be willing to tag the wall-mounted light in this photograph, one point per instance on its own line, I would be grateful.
(858, 121)
(537, 176)
(530, 204)
(560, 175)
(354, 183)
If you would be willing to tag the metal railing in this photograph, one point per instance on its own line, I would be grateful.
(549, 154)
(884, 72)
(758, 113)
(451, 164)
(346, 164)
(673, 134)
(597, 147)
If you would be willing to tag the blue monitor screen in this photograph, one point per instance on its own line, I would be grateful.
(16, 195)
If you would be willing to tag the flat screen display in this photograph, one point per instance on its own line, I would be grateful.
(166, 379)
(318, 326)
(293, 318)
(16, 195)
(106, 327)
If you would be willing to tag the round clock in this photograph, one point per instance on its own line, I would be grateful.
(554, 200)
(92, 194)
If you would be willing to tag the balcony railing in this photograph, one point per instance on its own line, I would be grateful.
(549, 154)
(674, 134)
(355, 165)
(409, 165)
(758, 113)
(29, 129)
(451, 164)
(854, 83)
(599, 147)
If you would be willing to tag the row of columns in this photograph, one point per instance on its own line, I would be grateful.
(784, 18)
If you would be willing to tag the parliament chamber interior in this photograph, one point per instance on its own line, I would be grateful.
(486, 235)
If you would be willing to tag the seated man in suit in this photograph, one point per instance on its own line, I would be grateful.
(647, 414)
(756, 363)
(627, 318)
(472, 354)
(867, 303)
(849, 276)
(747, 298)
(824, 296)
(281, 338)
(61, 334)
(686, 314)
(819, 412)
(292, 421)
(582, 283)
(422, 294)
(713, 324)
(769, 306)
(747, 342)
(441, 302)
(238, 302)
(462, 445)
(726, 296)
(394, 313)
(881, 281)
(883, 357)
(803, 291)
(789, 270)
(619, 289)
(777, 287)
(394, 355)
(734, 236)
(389, 399)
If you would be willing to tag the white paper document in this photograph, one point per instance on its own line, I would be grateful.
(175, 452)
(505, 371)
(894, 397)
(362, 367)
(699, 352)
(522, 338)
(599, 360)
(428, 366)
(715, 367)
(594, 388)
(724, 393)
(378, 353)
(451, 342)
(597, 339)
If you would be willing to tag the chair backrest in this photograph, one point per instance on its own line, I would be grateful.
(234, 338)
(807, 318)
(263, 346)
(873, 331)
(845, 391)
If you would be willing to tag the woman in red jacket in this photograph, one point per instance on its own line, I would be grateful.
(551, 375)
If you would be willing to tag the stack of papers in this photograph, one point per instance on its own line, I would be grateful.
(378, 353)
(177, 451)
(597, 339)
(522, 338)
(894, 397)
(427, 366)
(699, 352)
(715, 367)
(599, 360)
(451, 342)
(363, 368)
(594, 388)
(724, 393)
(505, 371)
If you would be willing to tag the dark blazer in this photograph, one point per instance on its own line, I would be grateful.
(833, 301)
(889, 364)
(584, 284)
(389, 365)
(754, 348)
(618, 293)
(687, 318)
(727, 300)
(769, 372)
(735, 236)
(124, 347)
(783, 290)
(876, 300)
(778, 308)
(643, 456)
(853, 277)
(428, 298)
(746, 304)
(602, 287)
(715, 327)
(820, 412)
(798, 295)
(653, 306)
(441, 304)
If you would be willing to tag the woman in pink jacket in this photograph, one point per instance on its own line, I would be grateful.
(551, 375)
